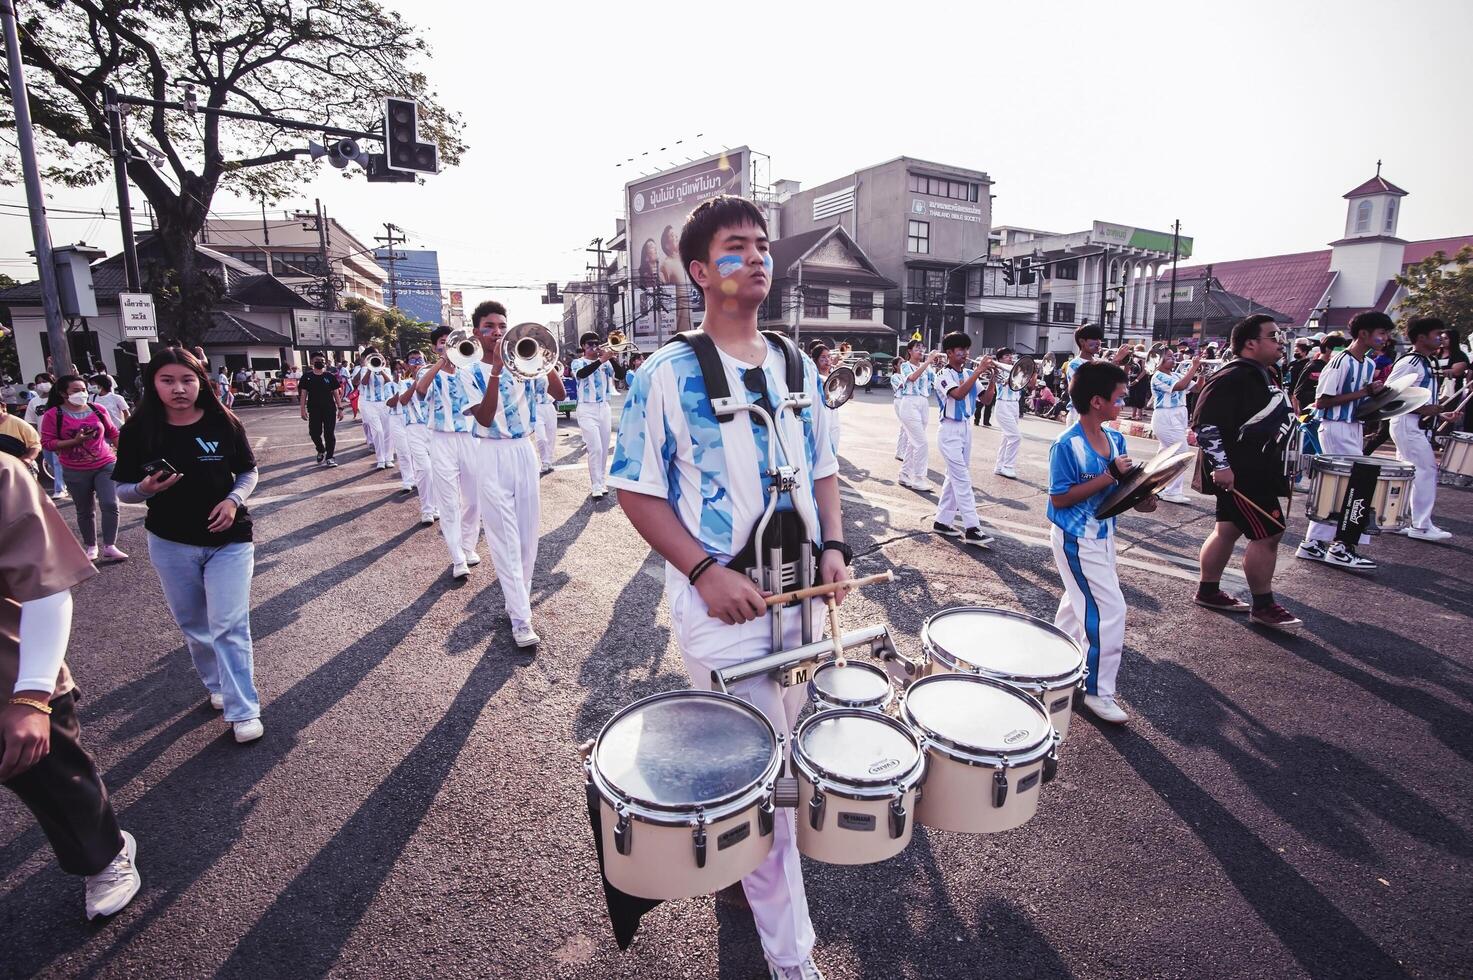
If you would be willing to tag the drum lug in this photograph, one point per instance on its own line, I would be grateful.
(622, 842)
(766, 813)
(815, 809)
(999, 788)
(1051, 765)
(898, 818)
(698, 838)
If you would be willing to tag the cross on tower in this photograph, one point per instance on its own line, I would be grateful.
(1378, 168)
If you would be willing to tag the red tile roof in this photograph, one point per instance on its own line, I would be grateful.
(1292, 284)
(1417, 251)
(1376, 185)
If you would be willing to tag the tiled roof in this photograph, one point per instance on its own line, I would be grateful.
(1290, 284)
(790, 248)
(228, 329)
(1376, 185)
(1221, 304)
(1417, 251)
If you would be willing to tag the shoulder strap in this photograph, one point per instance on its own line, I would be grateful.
(712, 373)
(791, 356)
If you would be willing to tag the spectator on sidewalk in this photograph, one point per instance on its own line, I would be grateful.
(107, 396)
(84, 436)
(18, 437)
(37, 397)
(41, 754)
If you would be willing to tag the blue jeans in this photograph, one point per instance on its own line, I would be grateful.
(209, 592)
(54, 464)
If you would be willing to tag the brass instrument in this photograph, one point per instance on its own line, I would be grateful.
(838, 387)
(1048, 365)
(616, 343)
(374, 361)
(1022, 374)
(857, 361)
(529, 350)
(462, 347)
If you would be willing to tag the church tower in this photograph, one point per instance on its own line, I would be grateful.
(1370, 254)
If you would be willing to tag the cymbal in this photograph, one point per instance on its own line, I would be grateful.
(1397, 398)
(1146, 480)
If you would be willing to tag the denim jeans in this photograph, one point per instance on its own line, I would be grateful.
(84, 485)
(54, 465)
(209, 592)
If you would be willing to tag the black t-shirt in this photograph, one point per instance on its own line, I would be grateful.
(210, 453)
(1251, 416)
(319, 389)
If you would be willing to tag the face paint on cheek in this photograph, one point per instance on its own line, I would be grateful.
(728, 265)
(728, 287)
(767, 263)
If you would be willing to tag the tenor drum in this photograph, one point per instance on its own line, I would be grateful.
(685, 782)
(1457, 460)
(858, 772)
(1025, 652)
(989, 748)
(854, 685)
(1329, 476)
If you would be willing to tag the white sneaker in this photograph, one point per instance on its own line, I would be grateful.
(459, 570)
(1427, 533)
(248, 731)
(1008, 474)
(807, 970)
(925, 486)
(1339, 554)
(118, 554)
(545, 470)
(91, 552)
(1310, 550)
(525, 636)
(1175, 498)
(427, 518)
(1105, 709)
(472, 559)
(115, 885)
(217, 701)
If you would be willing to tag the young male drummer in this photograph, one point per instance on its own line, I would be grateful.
(913, 383)
(447, 392)
(1344, 384)
(1412, 442)
(1169, 412)
(1242, 422)
(1085, 463)
(1007, 420)
(956, 395)
(595, 377)
(694, 488)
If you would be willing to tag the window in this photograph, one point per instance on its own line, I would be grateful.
(974, 283)
(1362, 217)
(1390, 215)
(957, 190)
(1043, 313)
(772, 306)
(257, 259)
(1067, 270)
(861, 305)
(1063, 313)
(297, 264)
(265, 364)
(816, 304)
(915, 280)
(918, 237)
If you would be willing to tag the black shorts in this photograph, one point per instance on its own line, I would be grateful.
(1231, 509)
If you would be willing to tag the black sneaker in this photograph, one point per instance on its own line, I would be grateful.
(321, 457)
(329, 462)
(1310, 551)
(974, 535)
(945, 529)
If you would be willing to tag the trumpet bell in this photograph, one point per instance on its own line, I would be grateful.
(462, 347)
(1020, 378)
(374, 361)
(838, 387)
(529, 350)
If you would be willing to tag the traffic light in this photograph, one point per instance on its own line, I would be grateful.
(1008, 274)
(402, 144)
(1026, 275)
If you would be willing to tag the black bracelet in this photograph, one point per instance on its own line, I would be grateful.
(701, 567)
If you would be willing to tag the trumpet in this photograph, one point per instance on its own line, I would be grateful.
(462, 347)
(374, 361)
(617, 343)
(529, 351)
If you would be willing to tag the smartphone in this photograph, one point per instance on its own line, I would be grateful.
(159, 466)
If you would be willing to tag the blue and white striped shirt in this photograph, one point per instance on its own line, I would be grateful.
(1419, 367)
(391, 389)
(923, 386)
(954, 409)
(513, 418)
(448, 398)
(372, 383)
(1163, 394)
(1341, 376)
(1005, 392)
(598, 386)
(1073, 461)
(414, 406)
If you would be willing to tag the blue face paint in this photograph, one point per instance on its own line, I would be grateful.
(767, 263)
(728, 265)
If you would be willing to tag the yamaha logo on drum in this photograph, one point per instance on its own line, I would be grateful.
(1016, 735)
(884, 765)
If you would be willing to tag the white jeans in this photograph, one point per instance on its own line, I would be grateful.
(595, 420)
(417, 441)
(400, 433)
(455, 464)
(547, 431)
(900, 440)
(913, 410)
(957, 498)
(1413, 447)
(376, 425)
(1170, 426)
(1006, 413)
(775, 890)
(1337, 439)
(1092, 609)
(512, 512)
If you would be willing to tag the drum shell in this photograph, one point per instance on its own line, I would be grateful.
(1457, 458)
(827, 701)
(1329, 476)
(958, 795)
(661, 862)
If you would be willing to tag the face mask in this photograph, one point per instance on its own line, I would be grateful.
(92, 389)
(78, 398)
(43, 388)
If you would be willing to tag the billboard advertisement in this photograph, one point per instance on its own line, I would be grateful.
(1156, 241)
(663, 300)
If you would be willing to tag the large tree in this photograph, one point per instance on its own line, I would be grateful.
(328, 62)
(1442, 287)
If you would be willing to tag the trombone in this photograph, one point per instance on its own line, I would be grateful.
(617, 343)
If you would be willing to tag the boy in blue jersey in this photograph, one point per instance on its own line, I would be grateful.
(1089, 338)
(1007, 407)
(1169, 413)
(694, 486)
(1085, 463)
(371, 383)
(595, 377)
(447, 391)
(913, 383)
(956, 394)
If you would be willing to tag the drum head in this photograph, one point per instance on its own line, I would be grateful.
(853, 683)
(977, 714)
(858, 746)
(1341, 465)
(685, 749)
(1003, 644)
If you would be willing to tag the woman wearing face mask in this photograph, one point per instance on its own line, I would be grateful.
(187, 457)
(38, 396)
(83, 437)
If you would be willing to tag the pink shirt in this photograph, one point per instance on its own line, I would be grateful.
(92, 454)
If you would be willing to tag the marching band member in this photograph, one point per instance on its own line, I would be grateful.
(1242, 418)
(447, 393)
(956, 395)
(595, 377)
(694, 488)
(370, 383)
(400, 386)
(1169, 413)
(1088, 338)
(415, 453)
(913, 383)
(1344, 383)
(823, 359)
(546, 421)
(510, 498)
(1412, 442)
(1007, 420)
(1084, 465)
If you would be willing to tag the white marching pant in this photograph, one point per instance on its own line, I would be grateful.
(417, 440)
(775, 890)
(511, 509)
(376, 425)
(595, 420)
(455, 465)
(1412, 446)
(1337, 439)
(1092, 609)
(900, 441)
(1170, 426)
(400, 433)
(1006, 414)
(546, 431)
(912, 410)
(957, 498)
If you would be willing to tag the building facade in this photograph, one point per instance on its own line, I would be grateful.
(291, 249)
(824, 287)
(413, 282)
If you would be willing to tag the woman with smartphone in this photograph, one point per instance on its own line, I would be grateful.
(187, 457)
(83, 437)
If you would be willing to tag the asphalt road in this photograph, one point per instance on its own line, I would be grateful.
(1280, 805)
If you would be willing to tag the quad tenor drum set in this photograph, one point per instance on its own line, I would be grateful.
(962, 737)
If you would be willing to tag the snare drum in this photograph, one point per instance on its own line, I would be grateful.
(685, 782)
(1457, 460)
(854, 685)
(858, 772)
(1028, 653)
(1329, 476)
(989, 748)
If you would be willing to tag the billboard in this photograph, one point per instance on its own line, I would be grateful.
(1125, 235)
(663, 300)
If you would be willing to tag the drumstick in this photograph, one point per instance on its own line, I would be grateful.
(783, 598)
(835, 632)
(1244, 498)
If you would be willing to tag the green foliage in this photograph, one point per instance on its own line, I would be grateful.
(1446, 293)
(388, 330)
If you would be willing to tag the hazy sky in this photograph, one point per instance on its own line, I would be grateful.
(1247, 121)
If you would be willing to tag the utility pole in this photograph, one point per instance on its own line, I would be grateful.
(40, 234)
(390, 240)
(1171, 301)
(601, 312)
(119, 151)
(329, 294)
